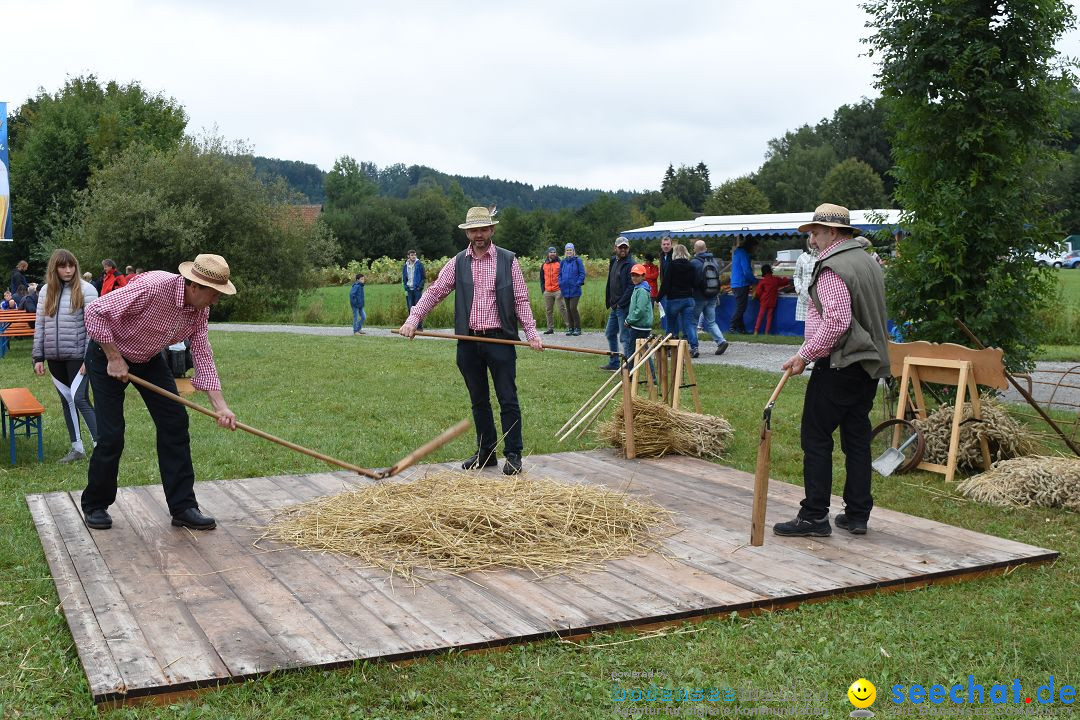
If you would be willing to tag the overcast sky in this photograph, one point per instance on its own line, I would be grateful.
(584, 94)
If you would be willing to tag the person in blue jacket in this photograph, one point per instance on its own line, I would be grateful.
(571, 280)
(356, 300)
(412, 279)
(742, 281)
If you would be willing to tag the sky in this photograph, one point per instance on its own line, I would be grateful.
(582, 94)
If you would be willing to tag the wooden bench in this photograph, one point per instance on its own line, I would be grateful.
(20, 409)
(14, 323)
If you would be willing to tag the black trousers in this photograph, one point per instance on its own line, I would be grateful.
(742, 296)
(475, 360)
(837, 399)
(170, 419)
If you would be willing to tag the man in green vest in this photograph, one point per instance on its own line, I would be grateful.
(490, 301)
(846, 339)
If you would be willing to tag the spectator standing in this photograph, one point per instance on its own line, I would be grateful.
(356, 302)
(110, 278)
(652, 275)
(549, 286)
(677, 286)
(412, 279)
(18, 276)
(665, 258)
(767, 292)
(804, 270)
(129, 273)
(617, 300)
(847, 340)
(60, 343)
(742, 281)
(491, 300)
(571, 282)
(706, 290)
(639, 318)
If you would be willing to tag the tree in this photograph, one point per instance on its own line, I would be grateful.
(689, 185)
(737, 197)
(428, 214)
(861, 131)
(974, 103)
(673, 209)
(347, 185)
(794, 168)
(58, 140)
(853, 184)
(157, 208)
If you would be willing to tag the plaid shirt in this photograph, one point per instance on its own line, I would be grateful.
(825, 328)
(484, 314)
(147, 316)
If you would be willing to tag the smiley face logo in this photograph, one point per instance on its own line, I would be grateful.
(862, 693)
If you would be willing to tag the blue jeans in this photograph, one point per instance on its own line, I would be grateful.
(682, 319)
(411, 298)
(708, 307)
(663, 318)
(359, 317)
(616, 330)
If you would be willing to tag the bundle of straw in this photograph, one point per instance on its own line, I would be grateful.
(1027, 482)
(459, 522)
(1005, 437)
(661, 430)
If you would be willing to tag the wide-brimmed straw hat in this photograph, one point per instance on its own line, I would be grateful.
(477, 217)
(211, 271)
(830, 215)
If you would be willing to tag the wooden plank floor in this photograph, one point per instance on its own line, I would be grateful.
(156, 610)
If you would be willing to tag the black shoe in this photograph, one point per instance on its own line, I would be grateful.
(98, 519)
(801, 527)
(549, 331)
(694, 353)
(855, 527)
(192, 518)
(721, 347)
(577, 331)
(512, 466)
(570, 332)
(474, 463)
(609, 368)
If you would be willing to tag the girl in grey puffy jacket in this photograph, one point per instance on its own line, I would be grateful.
(60, 340)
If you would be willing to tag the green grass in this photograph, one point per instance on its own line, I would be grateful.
(366, 399)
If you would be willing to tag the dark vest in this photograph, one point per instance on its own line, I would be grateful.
(866, 341)
(504, 291)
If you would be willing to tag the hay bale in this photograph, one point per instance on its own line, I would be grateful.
(1028, 482)
(661, 430)
(1005, 437)
(460, 522)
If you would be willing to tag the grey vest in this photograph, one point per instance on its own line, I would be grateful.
(504, 291)
(866, 341)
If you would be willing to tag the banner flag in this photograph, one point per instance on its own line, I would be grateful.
(5, 193)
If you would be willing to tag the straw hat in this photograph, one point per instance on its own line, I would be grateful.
(830, 215)
(211, 271)
(477, 217)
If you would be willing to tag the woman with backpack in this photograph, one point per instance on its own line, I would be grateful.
(60, 341)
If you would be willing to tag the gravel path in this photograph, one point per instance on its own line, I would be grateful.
(757, 356)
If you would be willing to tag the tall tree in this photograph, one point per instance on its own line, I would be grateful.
(861, 131)
(795, 166)
(57, 140)
(688, 185)
(974, 93)
(853, 184)
(737, 197)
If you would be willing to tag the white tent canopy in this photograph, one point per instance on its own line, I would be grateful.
(767, 224)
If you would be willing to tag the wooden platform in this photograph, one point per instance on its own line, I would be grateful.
(155, 609)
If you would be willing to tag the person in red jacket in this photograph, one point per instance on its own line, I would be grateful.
(549, 286)
(767, 292)
(110, 278)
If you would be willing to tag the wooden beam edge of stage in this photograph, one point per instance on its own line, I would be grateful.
(147, 697)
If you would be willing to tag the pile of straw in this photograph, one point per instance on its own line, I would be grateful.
(1005, 437)
(459, 522)
(661, 430)
(1028, 482)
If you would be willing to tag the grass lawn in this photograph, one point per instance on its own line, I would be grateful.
(367, 400)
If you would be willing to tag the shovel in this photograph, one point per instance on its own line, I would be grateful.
(892, 458)
(761, 471)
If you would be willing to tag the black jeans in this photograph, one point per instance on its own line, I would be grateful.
(742, 296)
(475, 360)
(170, 419)
(837, 398)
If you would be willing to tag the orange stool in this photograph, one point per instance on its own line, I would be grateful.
(19, 408)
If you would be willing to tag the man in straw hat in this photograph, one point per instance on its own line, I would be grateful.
(846, 339)
(128, 329)
(490, 300)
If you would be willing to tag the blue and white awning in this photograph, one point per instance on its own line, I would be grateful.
(769, 224)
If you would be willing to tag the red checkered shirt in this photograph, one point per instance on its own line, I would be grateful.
(145, 317)
(825, 328)
(484, 314)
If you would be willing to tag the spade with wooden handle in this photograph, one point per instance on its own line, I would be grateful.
(761, 471)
